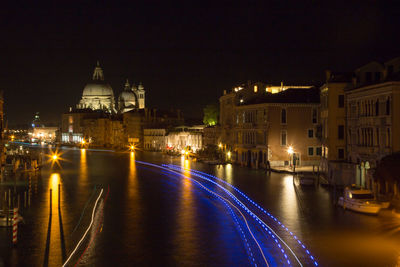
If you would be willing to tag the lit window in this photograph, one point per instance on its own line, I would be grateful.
(255, 88)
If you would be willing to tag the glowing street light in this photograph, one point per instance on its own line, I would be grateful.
(132, 147)
(290, 150)
(220, 145)
(54, 157)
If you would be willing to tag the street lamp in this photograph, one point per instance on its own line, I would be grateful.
(290, 151)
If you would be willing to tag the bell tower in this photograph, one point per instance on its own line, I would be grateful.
(140, 92)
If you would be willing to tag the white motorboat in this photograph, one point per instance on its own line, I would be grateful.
(360, 200)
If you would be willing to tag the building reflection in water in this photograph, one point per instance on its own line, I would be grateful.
(132, 181)
(228, 173)
(83, 167)
(186, 217)
(51, 232)
(289, 208)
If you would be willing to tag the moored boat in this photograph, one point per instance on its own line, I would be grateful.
(360, 200)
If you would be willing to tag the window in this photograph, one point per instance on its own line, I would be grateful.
(70, 119)
(310, 151)
(283, 116)
(310, 133)
(377, 76)
(340, 132)
(388, 106)
(377, 108)
(314, 116)
(283, 138)
(377, 137)
(318, 151)
(341, 153)
(255, 88)
(388, 137)
(341, 101)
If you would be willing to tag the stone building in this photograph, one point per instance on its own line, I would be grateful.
(211, 136)
(154, 139)
(260, 124)
(185, 138)
(99, 95)
(333, 128)
(140, 125)
(373, 117)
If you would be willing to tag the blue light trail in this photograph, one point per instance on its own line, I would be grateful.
(209, 182)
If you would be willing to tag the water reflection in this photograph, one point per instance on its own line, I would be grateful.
(53, 230)
(83, 166)
(288, 202)
(224, 172)
(132, 180)
(185, 236)
(228, 173)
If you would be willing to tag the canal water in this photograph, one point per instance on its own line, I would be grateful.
(145, 215)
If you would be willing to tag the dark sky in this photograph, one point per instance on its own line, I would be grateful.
(185, 54)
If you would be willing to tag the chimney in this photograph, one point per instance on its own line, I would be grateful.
(328, 74)
(354, 80)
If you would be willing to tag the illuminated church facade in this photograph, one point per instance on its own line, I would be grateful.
(99, 95)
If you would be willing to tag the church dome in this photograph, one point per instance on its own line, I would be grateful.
(97, 89)
(127, 99)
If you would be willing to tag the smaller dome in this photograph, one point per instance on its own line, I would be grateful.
(127, 96)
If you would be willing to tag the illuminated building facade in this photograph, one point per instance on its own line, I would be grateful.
(373, 117)
(260, 125)
(44, 134)
(333, 128)
(154, 139)
(99, 95)
(187, 138)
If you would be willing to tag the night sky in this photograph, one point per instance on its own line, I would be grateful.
(185, 54)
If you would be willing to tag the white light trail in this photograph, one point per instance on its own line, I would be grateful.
(87, 230)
